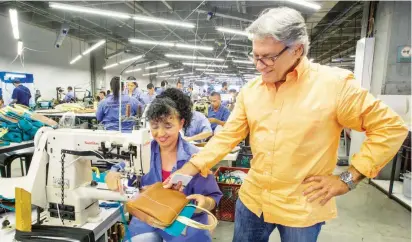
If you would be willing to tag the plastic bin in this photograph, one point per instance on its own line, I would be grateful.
(225, 211)
(244, 157)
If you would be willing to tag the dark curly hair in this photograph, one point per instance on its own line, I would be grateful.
(171, 101)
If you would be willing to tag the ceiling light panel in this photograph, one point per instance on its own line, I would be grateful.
(93, 47)
(134, 70)
(203, 65)
(171, 71)
(232, 31)
(194, 57)
(14, 23)
(131, 59)
(157, 66)
(150, 74)
(170, 44)
(95, 11)
(163, 21)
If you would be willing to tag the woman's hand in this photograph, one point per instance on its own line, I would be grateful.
(113, 181)
(203, 202)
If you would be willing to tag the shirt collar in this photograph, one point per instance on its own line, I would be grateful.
(182, 153)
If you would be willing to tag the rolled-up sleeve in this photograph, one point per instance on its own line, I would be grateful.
(234, 131)
(385, 130)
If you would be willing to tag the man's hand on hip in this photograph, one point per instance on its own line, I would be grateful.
(326, 187)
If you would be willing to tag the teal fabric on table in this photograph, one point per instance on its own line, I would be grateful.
(13, 137)
(25, 125)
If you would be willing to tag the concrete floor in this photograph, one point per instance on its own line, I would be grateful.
(365, 215)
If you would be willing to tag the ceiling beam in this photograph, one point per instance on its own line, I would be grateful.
(167, 5)
(235, 16)
(338, 46)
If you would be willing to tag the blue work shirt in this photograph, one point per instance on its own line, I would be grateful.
(136, 94)
(160, 90)
(69, 97)
(198, 125)
(22, 95)
(198, 185)
(108, 112)
(221, 114)
(146, 98)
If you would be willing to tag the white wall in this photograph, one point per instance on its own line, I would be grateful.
(50, 67)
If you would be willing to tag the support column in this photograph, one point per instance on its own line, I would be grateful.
(98, 74)
(392, 30)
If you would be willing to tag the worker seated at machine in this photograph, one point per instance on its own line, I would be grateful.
(108, 110)
(217, 113)
(169, 152)
(69, 98)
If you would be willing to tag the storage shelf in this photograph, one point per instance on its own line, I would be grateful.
(397, 192)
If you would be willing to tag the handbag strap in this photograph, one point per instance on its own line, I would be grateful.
(192, 223)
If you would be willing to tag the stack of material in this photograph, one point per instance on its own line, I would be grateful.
(73, 107)
(18, 124)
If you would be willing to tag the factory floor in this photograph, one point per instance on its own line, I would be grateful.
(365, 215)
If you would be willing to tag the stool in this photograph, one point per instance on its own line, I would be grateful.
(6, 160)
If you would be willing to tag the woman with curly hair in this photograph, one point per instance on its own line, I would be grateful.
(170, 112)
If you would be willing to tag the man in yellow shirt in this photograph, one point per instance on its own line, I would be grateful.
(295, 112)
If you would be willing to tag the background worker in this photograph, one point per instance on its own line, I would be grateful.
(69, 97)
(108, 110)
(148, 97)
(217, 113)
(163, 86)
(21, 94)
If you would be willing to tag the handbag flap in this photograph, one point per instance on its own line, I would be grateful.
(157, 206)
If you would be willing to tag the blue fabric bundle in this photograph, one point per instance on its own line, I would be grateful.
(24, 130)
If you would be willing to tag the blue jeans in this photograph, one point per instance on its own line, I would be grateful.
(251, 228)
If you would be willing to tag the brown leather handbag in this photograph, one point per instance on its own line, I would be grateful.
(160, 207)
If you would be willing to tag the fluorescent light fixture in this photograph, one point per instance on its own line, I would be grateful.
(163, 21)
(110, 66)
(219, 74)
(131, 59)
(175, 70)
(193, 57)
(19, 47)
(232, 31)
(93, 47)
(150, 74)
(190, 76)
(242, 61)
(164, 76)
(156, 66)
(134, 70)
(352, 56)
(203, 64)
(246, 68)
(182, 74)
(89, 10)
(203, 69)
(75, 59)
(195, 47)
(14, 23)
(151, 42)
(169, 44)
(306, 4)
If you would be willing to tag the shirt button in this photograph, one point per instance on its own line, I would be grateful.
(269, 153)
(272, 132)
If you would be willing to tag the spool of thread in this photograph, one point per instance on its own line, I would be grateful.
(128, 110)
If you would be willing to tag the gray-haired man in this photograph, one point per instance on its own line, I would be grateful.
(295, 113)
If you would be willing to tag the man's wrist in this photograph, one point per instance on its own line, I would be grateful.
(357, 177)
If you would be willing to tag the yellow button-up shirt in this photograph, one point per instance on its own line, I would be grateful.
(295, 133)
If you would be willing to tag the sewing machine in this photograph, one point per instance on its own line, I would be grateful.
(69, 196)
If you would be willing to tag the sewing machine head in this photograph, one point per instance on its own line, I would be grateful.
(71, 197)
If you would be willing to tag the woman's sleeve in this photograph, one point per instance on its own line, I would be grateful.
(207, 186)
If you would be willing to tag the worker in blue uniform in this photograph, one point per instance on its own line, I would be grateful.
(217, 113)
(69, 95)
(148, 97)
(108, 109)
(21, 94)
(169, 152)
(163, 86)
(132, 89)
